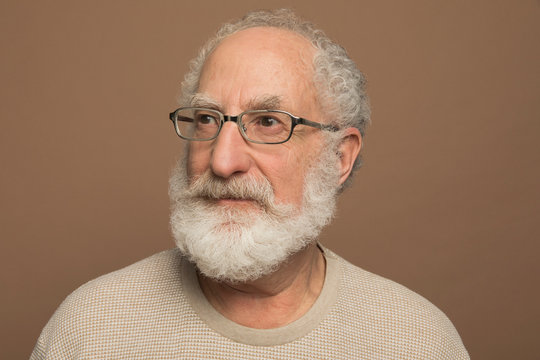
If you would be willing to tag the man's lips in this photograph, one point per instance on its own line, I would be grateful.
(235, 202)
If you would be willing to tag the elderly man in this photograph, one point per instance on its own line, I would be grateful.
(273, 114)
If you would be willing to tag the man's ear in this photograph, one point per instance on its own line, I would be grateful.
(349, 148)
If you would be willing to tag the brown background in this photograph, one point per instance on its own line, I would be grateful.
(447, 202)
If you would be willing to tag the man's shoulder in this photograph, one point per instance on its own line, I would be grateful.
(156, 271)
(130, 303)
(374, 292)
(382, 307)
(146, 289)
(369, 288)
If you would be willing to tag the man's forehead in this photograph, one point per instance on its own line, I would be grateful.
(259, 68)
(274, 45)
(264, 36)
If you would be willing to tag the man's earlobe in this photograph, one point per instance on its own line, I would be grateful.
(348, 151)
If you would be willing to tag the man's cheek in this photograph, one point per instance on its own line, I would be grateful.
(197, 164)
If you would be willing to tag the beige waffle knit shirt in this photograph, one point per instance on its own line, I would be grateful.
(154, 309)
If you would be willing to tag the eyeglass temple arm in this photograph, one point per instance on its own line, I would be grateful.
(317, 125)
(173, 115)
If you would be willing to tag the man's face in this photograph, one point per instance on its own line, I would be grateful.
(240, 209)
(259, 68)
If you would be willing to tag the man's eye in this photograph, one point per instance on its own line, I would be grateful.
(206, 119)
(267, 121)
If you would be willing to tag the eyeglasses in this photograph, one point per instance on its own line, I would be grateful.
(257, 126)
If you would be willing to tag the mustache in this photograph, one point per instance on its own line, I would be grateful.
(208, 186)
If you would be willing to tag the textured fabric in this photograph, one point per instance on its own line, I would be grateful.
(154, 309)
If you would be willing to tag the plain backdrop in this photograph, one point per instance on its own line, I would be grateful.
(447, 202)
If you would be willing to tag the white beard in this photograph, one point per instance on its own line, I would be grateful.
(237, 244)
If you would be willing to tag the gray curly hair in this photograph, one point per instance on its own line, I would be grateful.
(340, 85)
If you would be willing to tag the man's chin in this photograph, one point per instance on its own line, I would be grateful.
(229, 227)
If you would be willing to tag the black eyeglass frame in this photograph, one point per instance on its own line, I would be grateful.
(295, 120)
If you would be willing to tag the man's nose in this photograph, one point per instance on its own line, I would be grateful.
(230, 152)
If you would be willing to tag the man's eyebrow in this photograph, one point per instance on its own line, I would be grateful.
(264, 102)
(204, 101)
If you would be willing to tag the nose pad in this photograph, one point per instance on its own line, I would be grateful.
(241, 127)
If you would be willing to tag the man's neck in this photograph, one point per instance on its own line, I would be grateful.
(274, 300)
